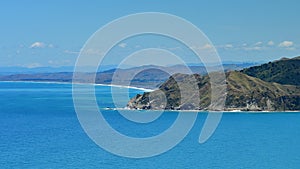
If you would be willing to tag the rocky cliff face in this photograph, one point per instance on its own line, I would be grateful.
(180, 91)
(244, 92)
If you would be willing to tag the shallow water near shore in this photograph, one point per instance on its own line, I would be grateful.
(40, 129)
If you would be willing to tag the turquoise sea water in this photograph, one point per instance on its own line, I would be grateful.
(39, 129)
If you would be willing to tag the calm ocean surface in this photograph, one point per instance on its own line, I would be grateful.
(39, 129)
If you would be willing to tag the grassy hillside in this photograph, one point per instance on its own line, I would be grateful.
(251, 93)
(243, 93)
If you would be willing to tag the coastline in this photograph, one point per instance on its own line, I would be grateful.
(211, 111)
(123, 86)
(237, 111)
(97, 84)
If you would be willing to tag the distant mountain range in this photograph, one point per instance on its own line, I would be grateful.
(269, 87)
(149, 76)
(24, 70)
(9, 70)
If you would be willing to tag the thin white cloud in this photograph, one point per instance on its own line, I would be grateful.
(228, 46)
(258, 43)
(204, 47)
(33, 65)
(291, 48)
(258, 46)
(207, 46)
(59, 62)
(38, 45)
(253, 48)
(41, 45)
(92, 51)
(271, 43)
(286, 44)
(122, 45)
(71, 52)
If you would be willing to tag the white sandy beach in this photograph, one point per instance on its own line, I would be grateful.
(111, 85)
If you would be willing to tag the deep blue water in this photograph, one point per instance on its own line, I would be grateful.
(39, 129)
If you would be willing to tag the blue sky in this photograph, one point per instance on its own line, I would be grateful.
(51, 33)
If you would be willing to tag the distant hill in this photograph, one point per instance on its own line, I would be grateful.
(283, 71)
(25, 70)
(243, 93)
(11, 70)
(149, 76)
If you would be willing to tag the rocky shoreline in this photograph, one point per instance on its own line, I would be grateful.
(244, 93)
